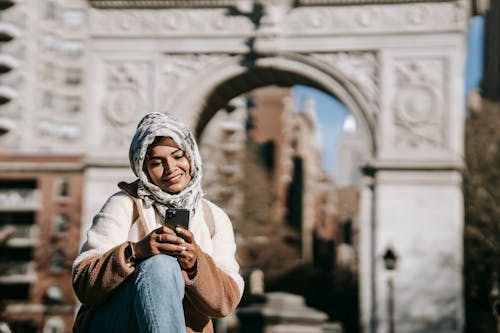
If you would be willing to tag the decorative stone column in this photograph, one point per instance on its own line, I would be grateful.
(418, 203)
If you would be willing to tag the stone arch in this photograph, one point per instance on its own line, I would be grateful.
(230, 78)
(411, 193)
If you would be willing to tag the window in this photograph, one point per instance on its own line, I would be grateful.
(16, 218)
(74, 76)
(53, 295)
(58, 261)
(18, 184)
(61, 188)
(15, 291)
(54, 325)
(73, 104)
(60, 222)
(72, 49)
(347, 231)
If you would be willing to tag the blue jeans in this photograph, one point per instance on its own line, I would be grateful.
(150, 300)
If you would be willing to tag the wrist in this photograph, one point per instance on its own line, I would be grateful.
(130, 256)
(191, 272)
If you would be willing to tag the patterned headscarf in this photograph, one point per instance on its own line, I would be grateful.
(159, 124)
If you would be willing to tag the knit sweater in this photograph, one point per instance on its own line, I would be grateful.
(101, 267)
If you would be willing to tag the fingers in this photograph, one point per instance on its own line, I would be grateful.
(164, 230)
(179, 243)
(165, 235)
(169, 239)
(168, 242)
(185, 234)
(187, 259)
(171, 247)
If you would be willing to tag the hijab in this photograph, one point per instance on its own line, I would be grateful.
(151, 126)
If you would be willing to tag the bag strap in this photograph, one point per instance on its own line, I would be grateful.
(138, 212)
(209, 218)
(131, 190)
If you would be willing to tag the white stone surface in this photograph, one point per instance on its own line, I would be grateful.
(421, 220)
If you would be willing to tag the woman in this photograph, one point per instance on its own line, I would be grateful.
(133, 273)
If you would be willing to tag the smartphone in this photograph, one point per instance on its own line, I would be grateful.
(175, 217)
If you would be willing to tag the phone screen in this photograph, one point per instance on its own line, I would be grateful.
(177, 217)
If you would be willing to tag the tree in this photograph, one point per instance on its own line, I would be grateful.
(482, 217)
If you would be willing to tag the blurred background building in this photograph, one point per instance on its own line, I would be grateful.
(40, 212)
(77, 75)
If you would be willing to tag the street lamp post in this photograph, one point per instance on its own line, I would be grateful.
(390, 262)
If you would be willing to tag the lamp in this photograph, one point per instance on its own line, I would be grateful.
(390, 262)
(390, 259)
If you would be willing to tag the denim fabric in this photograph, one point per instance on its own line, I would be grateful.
(148, 301)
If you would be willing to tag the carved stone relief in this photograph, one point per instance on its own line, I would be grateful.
(360, 68)
(376, 18)
(128, 96)
(419, 103)
(167, 22)
(54, 129)
(178, 71)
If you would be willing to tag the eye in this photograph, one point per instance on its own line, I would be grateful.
(179, 155)
(154, 163)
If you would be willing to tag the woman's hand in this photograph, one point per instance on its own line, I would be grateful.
(163, 240)
(187, 258)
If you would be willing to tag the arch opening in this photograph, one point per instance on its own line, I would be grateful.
(229, 103)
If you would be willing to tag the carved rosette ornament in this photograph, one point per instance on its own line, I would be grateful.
(360, 69)
(418, 105)
(128, 86)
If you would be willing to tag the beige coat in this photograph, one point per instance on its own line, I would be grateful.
(101, 267)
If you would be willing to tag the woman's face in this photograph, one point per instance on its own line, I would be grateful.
(167, 166)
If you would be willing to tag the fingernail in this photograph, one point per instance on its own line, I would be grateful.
(182, 240)
(182, 248)
(178, 228)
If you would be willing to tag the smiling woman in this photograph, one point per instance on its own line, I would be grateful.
(131, 251)
(167, 165)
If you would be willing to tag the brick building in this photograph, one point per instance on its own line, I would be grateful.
(40, 208)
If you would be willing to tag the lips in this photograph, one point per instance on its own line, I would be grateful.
(173, 179)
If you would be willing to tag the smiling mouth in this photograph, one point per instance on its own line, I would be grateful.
(173, 180)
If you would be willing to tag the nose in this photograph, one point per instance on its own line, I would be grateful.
(168, 166)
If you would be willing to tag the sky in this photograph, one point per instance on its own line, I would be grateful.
(474, 61)
(332, 114)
